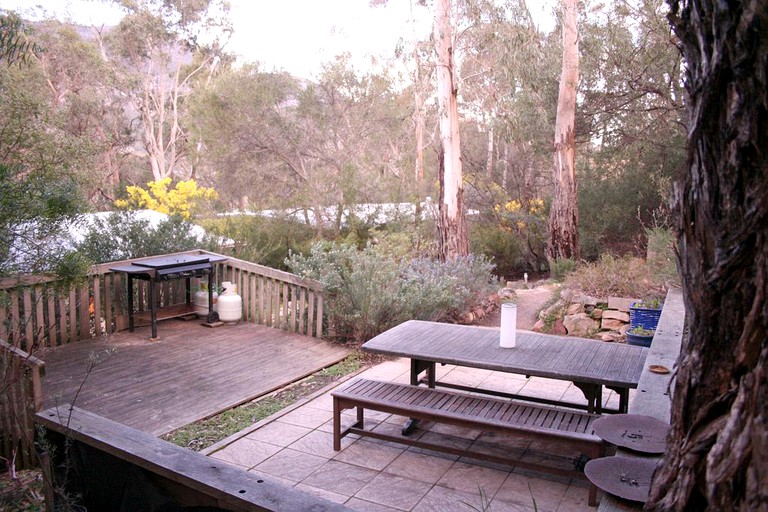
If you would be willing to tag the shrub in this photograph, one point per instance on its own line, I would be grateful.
(369, 292)
(124, 235)
(621, 277)
(559, 268)
(184, 199)
(661, 255)
(263, 240)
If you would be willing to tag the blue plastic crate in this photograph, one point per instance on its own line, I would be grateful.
(643, 317)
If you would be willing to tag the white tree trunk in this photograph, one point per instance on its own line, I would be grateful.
(452, 226)
(564, 215)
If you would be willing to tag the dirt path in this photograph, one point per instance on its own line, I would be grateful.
(529, 302)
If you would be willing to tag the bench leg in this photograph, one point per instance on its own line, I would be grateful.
(360, 417)
(336, 424)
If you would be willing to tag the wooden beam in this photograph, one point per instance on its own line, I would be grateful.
(183, 470)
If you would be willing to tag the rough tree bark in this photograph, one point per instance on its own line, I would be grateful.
(564, 214)
(453, 241)
(717, 457)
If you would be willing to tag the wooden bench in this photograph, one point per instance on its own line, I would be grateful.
(573, 428)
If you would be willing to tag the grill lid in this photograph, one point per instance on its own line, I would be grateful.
(174, 261)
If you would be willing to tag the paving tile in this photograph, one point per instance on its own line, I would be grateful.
(504, 382)
(319, 443)
(307, 417)
(279, 433)
(369, 455)
(576, 498)
(442, 499)
(419, 466)
(324, 402)
(466, 376)
(452, 430)
(322, 493)
(340, 477)
(291, 465)
(522, 487)
(445, 440)
(503, 506)
(472, 478)
(394, 491)
(246, 452)
(367, 506)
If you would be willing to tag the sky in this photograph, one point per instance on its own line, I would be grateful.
(297, 36)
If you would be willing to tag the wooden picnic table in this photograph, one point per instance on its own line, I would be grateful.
(589, 364)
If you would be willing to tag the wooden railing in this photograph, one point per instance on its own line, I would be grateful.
(20, 399)
(36, 311)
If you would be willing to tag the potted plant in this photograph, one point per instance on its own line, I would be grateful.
(640, 336)
(645, 313)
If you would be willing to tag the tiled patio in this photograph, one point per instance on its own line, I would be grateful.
(295, 447)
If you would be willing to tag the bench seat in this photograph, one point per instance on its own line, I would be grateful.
(573, 428)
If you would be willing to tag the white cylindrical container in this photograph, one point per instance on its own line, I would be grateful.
(201, 300)
(230, 304)
(508, 330)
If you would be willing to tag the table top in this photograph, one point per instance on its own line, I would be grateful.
(535, 354)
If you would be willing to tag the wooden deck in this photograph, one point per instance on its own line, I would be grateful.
(192, 373)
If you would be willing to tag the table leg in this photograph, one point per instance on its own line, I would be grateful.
(130, 303)
(418, 366)
(153, 309)
(623, 398)
(594, 395)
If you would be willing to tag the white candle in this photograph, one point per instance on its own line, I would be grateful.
(508, 331)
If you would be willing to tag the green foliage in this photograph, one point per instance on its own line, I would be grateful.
(123, 235)
(263, 240)
(641, 331)
(513, 236)
(15, 45)
(369, 292)
(559, 268)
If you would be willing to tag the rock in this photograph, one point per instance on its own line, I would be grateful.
(506, 294)
(620, 303)
(616, 315)
(583, 298)
(553, 310)
(597, 313)
(610, 337)
(559, 328)
(575, 308)
(610, 324)
(538, 326)
(567, 295)
(467, 318)
(579, 324)
(624, 329)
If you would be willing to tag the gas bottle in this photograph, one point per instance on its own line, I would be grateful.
(201, 300)
(230, 304)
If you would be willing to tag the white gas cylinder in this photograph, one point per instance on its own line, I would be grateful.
(230, 304)
(201, 300)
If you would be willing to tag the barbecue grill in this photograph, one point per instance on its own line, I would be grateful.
(167, 268)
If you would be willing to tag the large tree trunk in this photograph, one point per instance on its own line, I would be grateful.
(564, 215)
(717, 457)
(453, 239)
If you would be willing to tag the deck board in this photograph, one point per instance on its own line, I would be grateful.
(192, 373)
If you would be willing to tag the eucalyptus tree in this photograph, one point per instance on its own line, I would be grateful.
(453, 241)
(161, 46)
(716, 449)
(290, 143)
(564, 212)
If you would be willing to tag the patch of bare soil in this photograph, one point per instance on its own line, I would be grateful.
(529, 302)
